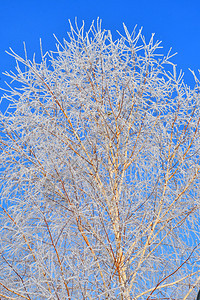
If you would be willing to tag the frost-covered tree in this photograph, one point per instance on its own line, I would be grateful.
(100, 173)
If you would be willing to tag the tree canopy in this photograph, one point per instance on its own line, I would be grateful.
(99, 153)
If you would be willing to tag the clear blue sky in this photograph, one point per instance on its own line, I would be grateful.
(175, 22)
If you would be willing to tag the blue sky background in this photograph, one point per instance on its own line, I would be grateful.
(175, 22)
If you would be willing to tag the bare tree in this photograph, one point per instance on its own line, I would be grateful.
(100, 166)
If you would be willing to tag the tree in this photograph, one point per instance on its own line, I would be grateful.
(100, 173)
